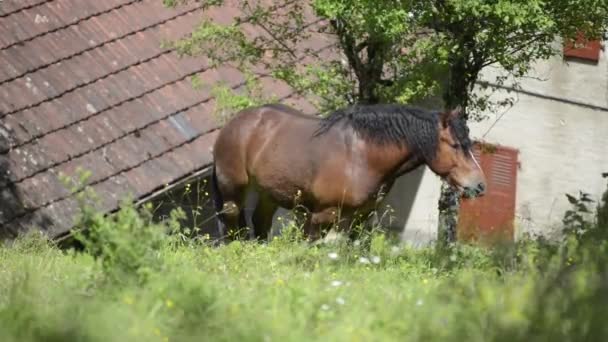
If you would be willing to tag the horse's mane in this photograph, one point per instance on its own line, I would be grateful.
(397, 124)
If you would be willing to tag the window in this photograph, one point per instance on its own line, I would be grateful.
(583, 48)
(491, 217)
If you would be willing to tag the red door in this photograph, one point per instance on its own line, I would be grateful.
(491, 217)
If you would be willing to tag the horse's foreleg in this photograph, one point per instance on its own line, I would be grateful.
(312, 232)
(232, 215)
(320, 220)
(262, 216)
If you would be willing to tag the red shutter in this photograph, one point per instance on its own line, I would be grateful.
(491, 217)
(583, 49)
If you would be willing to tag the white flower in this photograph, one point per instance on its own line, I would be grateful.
(453, 257)
(376, 259)
(410, 14)
(324, 307)
(419, 302)
(340, 300)
(333, 255)
(364, 260)
(336, 283)
(356, 243)
(395, 249)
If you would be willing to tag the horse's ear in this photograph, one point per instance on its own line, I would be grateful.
(449, 115)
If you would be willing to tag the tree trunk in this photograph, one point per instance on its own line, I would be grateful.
(455, 94)
(448, 207)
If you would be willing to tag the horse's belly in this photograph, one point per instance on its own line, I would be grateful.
(288, 186)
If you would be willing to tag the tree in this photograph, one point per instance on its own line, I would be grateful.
(393, 50)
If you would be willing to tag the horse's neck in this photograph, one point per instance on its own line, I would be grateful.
(410, 163)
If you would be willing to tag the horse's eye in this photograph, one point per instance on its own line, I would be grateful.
(455, 145)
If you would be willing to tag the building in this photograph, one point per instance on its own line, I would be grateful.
(88, 84)
(552, 141)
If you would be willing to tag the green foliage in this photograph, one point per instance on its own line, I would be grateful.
(576, 220)
(229, 101)
(473, 34)
(127, 244)
(287, 289)
(133, 281)
(585, 223)
(389, 51)
(602, 212)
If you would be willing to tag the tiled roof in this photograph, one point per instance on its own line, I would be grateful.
(86, 83)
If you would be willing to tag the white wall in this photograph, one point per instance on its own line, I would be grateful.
(563, 147)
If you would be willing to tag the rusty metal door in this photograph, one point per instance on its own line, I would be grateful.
(491, 217)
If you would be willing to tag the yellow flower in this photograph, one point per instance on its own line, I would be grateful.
(424, 281)
(280, 282)
(170, 303)
(128, 300)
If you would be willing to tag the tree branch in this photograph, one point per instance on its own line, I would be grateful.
(348, 46)
(276, 39)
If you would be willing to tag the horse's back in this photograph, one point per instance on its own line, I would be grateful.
(274, 146)
(248, 132)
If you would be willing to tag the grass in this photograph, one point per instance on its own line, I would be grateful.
(133, 282)
(288, 290)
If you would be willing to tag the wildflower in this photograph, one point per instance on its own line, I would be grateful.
(376, 259)
(340, 300)
(336, 283)
(453, 257)
(169, 303)
(356, 243)
(280, 282)
(364, 260)
(333, 255)
(395, 249)
(424, 281)
(419, 302)
(324, 307)
(128, 300)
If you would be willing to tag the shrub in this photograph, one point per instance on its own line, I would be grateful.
(127, 244)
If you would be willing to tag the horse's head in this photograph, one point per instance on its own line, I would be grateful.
(454, 160)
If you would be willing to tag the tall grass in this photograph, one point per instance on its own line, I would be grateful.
(137, 280)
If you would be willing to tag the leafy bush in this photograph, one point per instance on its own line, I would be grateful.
(128, 243)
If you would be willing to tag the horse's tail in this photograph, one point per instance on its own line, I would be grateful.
(218, 201)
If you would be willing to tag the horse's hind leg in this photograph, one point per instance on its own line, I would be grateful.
(262, 216)
(230, 212)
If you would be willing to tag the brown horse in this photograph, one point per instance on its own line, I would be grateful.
(334, 166)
